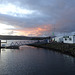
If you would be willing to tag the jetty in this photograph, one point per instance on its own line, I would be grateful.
(19, 41)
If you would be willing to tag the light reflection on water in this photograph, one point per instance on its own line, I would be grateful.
(35, 61)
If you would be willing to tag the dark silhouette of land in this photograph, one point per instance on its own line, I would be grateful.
(10, 37)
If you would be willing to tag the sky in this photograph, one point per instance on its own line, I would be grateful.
(37, 17)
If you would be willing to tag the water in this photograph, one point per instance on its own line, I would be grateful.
(35, 61)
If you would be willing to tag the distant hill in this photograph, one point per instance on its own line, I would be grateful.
(11, 37)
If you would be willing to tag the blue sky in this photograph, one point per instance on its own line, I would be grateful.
(37, 17)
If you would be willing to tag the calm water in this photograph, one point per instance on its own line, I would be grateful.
(35, 61)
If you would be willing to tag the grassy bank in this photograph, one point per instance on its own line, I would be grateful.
(61, 47)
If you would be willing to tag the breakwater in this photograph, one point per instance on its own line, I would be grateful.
(60, 47)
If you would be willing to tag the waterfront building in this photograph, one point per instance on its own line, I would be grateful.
(58, 39)
(69, 39)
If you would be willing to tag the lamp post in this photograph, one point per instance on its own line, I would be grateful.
(53, 34)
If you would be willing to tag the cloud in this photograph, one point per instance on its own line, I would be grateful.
(45, 12)
(36, 31)
(67, 21)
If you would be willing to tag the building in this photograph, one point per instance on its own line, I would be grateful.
(69, 39)
(58, 39)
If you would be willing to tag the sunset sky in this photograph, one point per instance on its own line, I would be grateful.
(37, 17)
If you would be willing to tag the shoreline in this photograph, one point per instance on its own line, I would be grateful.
(68, 49)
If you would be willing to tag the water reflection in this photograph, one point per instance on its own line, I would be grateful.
(68, 58)
(35, 61)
